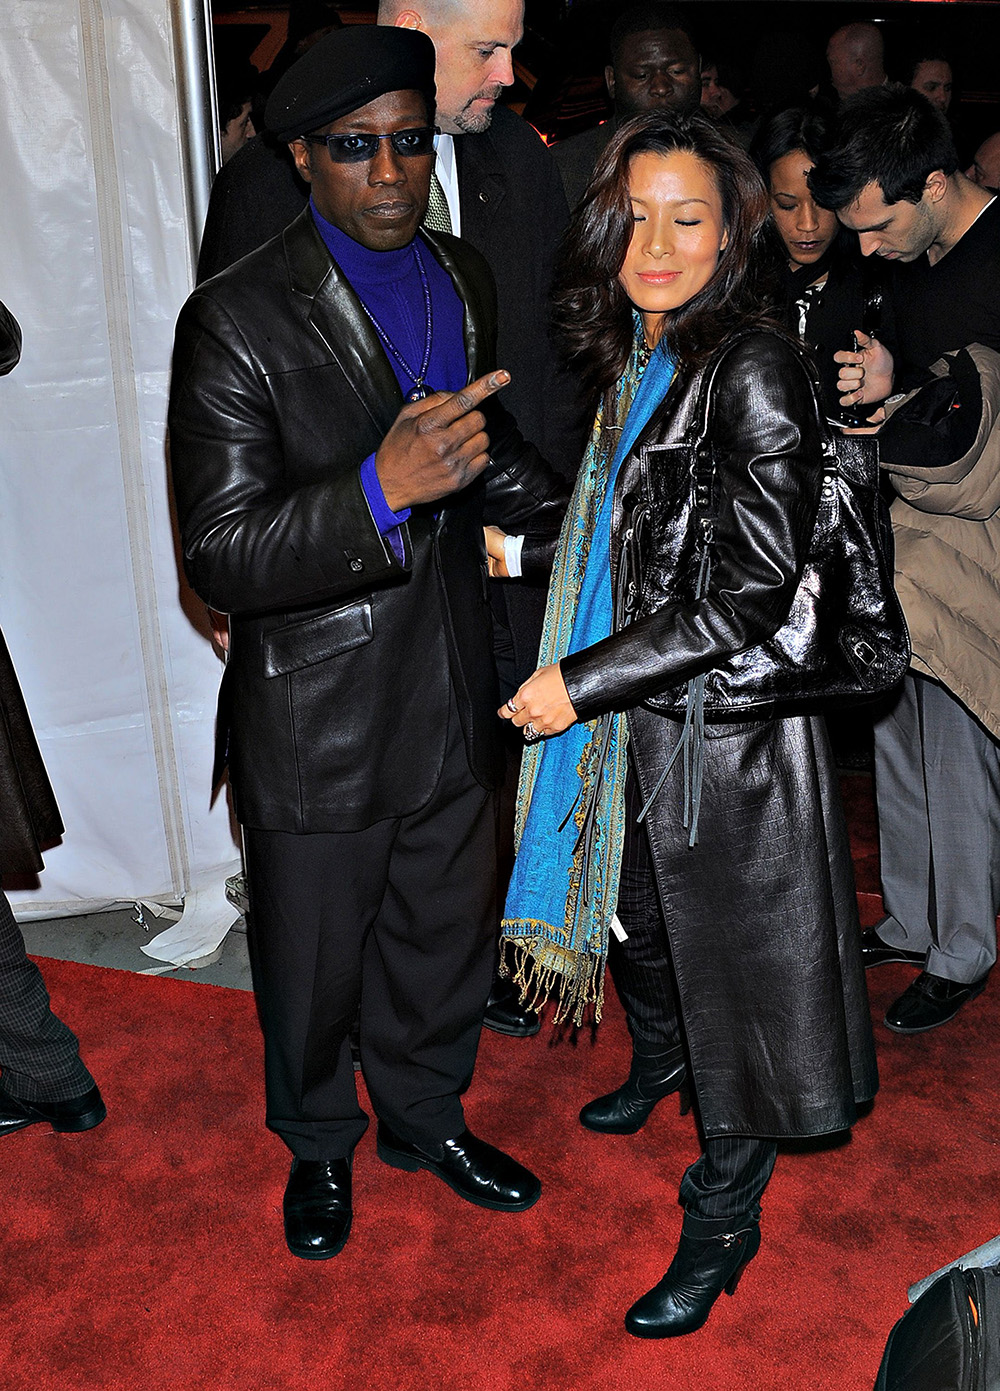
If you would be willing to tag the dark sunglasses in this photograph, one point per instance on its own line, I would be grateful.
(357, 149)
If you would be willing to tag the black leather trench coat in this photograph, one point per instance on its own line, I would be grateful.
(761, 914)
(29, 817)
(514, 213)
(343, 660)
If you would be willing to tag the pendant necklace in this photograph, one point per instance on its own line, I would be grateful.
(419, 389)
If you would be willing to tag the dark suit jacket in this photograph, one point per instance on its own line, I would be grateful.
(337, 686)
(576, 157)
(514, 213)
(256, 194)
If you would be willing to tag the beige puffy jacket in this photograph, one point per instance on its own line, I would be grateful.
(946, 523)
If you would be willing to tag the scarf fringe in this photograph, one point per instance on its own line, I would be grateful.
(543, 971)
(562, 896)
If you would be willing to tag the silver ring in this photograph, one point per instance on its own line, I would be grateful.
(530, 733)
(511, 706)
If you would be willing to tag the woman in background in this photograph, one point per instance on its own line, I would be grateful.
(829, 289)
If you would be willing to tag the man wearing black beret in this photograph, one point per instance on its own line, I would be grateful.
(335, 452)
(497, 187)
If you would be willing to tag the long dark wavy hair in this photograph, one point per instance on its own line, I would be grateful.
(592, 315)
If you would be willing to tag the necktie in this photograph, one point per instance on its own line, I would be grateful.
(438, 217)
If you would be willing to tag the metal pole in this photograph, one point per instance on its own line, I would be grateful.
(198, 108)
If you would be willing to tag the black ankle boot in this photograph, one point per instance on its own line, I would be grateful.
(651, 1077)
(703, 1267)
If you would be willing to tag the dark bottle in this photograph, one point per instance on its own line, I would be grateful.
(871, 324)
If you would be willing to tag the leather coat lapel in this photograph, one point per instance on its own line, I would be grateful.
(475, 330)
(337, 316)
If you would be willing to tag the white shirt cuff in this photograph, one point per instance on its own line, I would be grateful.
(512, 555)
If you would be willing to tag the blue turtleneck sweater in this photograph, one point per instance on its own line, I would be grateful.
(389, 286)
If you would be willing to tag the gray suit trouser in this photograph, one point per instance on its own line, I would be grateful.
(39, 1055)
(937, 781)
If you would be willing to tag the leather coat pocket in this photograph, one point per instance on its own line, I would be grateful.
(316, 639)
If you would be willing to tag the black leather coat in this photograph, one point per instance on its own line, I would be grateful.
(29, 817)
(336, 694)
(767, 448)
(760, 914)
(513, 212)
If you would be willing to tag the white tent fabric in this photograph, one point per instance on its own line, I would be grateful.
(95, 263)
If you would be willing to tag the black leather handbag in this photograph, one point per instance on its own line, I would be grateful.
(950, 1339)
(845, 637)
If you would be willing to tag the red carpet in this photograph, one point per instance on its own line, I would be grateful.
(148, 1253)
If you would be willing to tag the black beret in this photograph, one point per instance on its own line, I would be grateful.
(348, 69)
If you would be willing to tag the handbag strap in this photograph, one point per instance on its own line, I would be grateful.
(691, 745)
(703, 469)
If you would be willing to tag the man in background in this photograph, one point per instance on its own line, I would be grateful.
(985, 167)
(929, 73)
(654, 66)
(234, 83)
(892, 177)
(856, 57)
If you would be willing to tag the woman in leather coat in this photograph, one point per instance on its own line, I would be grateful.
(730, 879)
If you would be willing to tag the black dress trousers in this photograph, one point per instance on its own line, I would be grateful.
(399, 919)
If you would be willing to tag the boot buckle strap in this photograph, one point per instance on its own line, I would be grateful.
(729, 1239)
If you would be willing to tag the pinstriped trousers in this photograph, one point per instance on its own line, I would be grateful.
(39, 1055)
(727, 1180)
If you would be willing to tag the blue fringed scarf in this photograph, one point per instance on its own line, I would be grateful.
(569, 828)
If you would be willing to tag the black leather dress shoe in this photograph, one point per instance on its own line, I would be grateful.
(506, 1015)
(79, 1113)
(875, 952)
(318, 1208)
(476, 1171)
(929, 1002)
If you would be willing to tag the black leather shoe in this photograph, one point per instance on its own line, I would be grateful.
(79, 1113)
(651, 1077)
(475, 1170)
(702, 1268)
(875, 952)
(318, 1208)
(506, 1015)
(929, 1002)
